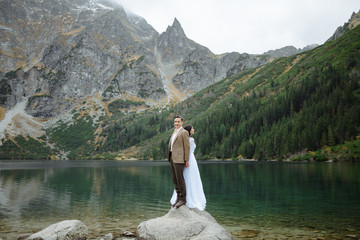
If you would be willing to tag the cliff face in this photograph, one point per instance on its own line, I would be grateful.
(60, 52)
(353, 22)
(59, 55)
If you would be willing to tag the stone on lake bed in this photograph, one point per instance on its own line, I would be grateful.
(182, 223)
(128, 234)
(108, 236)
(247, 233)
(65, 230)
(352, 236)
(22, 237)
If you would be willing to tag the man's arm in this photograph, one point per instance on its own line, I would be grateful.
(186, 144)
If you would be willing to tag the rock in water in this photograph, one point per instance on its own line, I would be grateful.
(65, 230)
(182, 223)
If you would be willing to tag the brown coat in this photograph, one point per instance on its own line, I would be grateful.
(181, 147)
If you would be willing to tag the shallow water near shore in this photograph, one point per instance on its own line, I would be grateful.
(250, 199)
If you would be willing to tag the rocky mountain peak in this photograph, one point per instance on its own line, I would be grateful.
(59, 56)
(177, 26)
(174, 32)
(288, 51)
(353, 22)
(174, 44)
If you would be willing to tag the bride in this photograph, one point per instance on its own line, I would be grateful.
(195, 197)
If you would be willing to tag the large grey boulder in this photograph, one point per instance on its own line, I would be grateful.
(65, 230)
(182, 223)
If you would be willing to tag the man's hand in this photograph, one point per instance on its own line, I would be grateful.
(187, 164)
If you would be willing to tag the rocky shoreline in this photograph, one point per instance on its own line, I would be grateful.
(247, 232)
(178, 223)
(184, 223)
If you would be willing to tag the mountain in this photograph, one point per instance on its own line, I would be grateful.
(288, 51)
(80, 78)
(306, 105)
(65, 51)
(57, 57)
(353, 22)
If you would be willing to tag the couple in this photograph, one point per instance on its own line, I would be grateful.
(184, 169)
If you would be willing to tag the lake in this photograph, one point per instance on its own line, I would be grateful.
(249, 199)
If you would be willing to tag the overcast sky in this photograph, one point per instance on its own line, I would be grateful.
(251, 26)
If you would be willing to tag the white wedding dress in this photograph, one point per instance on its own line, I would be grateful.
(195, 197)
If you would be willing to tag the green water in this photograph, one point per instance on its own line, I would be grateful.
(111, 196)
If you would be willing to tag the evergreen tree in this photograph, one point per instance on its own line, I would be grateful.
(331, 137)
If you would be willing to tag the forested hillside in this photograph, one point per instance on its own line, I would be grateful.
(293, 105)
(305, 106)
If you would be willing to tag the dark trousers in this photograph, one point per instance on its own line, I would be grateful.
(178, 179)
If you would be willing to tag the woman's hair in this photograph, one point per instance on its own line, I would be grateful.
(188, 128)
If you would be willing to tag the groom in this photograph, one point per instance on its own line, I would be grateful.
(179, 149)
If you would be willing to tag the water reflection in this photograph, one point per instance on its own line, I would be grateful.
(306, 194)
(110, 196)
(40, 196)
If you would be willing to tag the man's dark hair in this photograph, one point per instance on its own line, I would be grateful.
(179, 117)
